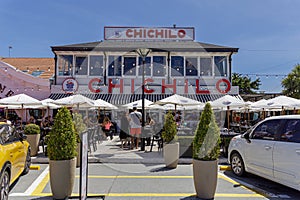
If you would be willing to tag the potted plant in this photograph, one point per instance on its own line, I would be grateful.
(171, 146)
(80, 127)
(206, 150)
(61, 149)
(32, 132)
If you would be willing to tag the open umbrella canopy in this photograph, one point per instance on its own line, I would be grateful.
(138, 105)
(19, 100)
(178, 100)
(283, 101)
(99, 103)
(77, 100)
(228, 101)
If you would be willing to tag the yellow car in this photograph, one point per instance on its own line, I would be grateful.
(15, 157)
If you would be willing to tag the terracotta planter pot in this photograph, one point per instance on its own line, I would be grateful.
(62, 177)
(171, 154)
(205, 178)
(34, 141)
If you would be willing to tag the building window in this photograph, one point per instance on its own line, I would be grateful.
(96, 66)
(220, 65)
(65, 65)
(129, 66)
(147, 67)
(206, 66)
(114, 65)
(159, 65)
(177, 66)
(81, 65)
(191, 68)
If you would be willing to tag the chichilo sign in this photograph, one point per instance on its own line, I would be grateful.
(147, 33)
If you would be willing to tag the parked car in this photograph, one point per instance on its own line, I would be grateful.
(14, 157)
(271, 149)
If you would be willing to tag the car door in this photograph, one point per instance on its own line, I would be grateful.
(9, 148)
(259, 151)
(286, 154)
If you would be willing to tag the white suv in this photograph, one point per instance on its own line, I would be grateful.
(271, 149)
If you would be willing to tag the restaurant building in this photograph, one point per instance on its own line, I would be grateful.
(112, 69)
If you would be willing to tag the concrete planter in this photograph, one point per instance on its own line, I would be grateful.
(205, 178)
(62, 177)
(34, 141)
(171, 154)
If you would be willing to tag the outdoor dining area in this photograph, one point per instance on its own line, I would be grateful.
(233, 114)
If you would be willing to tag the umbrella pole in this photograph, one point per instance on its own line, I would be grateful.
(228, 120)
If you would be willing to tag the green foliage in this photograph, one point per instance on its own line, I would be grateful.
(246, 86)
(61, 143)
(169, 133)
(80, 126)
(32, 129)
(206, 143)
(291, 83)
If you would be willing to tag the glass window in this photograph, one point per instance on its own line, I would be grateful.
(65, 65)
(147, 67)
(177, 66)
(205, 66)
(81, 65)
(267, 130)
(191, 68)
(129, 66)
(291, 131)
(114, 65)
(96, 65)
(220, 66)
(159, 66)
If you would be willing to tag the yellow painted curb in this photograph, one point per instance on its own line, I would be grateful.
(225, 168)
(35, 167)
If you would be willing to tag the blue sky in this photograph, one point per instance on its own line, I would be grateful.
(266, 32)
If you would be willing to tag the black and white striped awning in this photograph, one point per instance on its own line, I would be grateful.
(121, 99)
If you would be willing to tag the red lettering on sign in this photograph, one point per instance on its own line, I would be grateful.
(111, 85)
(228, 85)
(92, 83)
(181, 33)
(129, 33)
(148, 90)
(164, 86)
(199, 91)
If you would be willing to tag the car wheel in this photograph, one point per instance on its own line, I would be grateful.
(4, 186)
(237, 164)
(27, 163)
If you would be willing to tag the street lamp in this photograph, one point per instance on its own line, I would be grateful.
(143, 52)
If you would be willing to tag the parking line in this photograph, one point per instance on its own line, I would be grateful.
(43, 179)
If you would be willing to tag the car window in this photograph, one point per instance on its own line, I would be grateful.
(266, 130)
(291, 131)
(6, 134)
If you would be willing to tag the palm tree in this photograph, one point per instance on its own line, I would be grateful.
(246, 86)
(291, 83)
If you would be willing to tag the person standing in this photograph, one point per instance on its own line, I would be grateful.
(135, 118)
(124, 132)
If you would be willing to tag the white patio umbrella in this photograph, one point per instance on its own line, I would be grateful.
(99, 103)
(19, 101)
(227, 102)
(179, 100)
(138, 104)
(283, 102)
(77, 100)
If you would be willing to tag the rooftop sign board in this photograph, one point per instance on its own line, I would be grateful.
(148, 33)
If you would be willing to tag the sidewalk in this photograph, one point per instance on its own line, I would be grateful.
(110, 151)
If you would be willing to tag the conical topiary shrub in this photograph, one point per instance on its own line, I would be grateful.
(61, 142)
(169, 132)
(61, 145)
(206, 150)
(171, 146)
(206, 143)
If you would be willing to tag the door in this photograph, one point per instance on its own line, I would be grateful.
(287, 154)
(259, 152)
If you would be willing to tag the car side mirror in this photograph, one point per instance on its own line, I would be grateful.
(246, 136)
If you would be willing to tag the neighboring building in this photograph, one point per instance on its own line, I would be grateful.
(14, 81)
(38, 67)
(112, 69)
